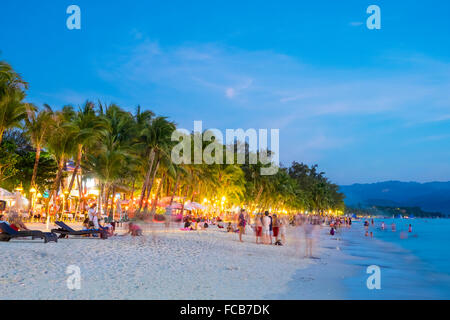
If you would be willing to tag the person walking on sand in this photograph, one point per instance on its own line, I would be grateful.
(270, 228)
(241, 224)
(283, 229)
(308, 229)
(266, 228)
(275, 227)
(258, 228)
(410, 228)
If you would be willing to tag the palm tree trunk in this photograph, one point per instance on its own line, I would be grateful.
(157, 193)
(77, 167)
(147, 179)
(175, 189)
(55, 185)
(150, 186)
(257, 197)
(80, 194)
(184, 200)
(132, 190)
(112, 201)
(36, 164)
(100, 195)
(107, 194)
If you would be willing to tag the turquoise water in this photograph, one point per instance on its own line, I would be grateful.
(415, 266)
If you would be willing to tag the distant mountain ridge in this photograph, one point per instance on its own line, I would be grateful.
(430, 196)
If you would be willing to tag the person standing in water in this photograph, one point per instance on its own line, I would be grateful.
(410, 228)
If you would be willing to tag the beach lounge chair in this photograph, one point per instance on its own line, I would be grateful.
(65, 231)
(9, 233)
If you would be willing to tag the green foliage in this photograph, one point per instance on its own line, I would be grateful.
(17, 160)
(8, 162)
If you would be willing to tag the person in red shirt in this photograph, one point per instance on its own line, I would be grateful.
(134, 230)
(16, 223)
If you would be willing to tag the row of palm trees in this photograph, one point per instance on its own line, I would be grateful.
(130, 152)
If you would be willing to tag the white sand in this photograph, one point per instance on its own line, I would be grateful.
(161, 265)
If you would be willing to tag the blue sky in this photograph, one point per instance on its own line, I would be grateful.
(366, 105)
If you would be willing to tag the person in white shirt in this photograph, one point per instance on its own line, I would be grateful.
(266, 228)
(93, 216)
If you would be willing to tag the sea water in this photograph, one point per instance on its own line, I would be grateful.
(413, 265)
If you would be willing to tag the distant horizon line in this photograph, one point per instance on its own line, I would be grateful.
(385, 181)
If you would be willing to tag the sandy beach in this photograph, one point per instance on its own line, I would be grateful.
(171, 265)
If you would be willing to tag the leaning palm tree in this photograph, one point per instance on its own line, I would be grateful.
(88, 129)
(12, 109)
(37, 126)
(61, 145)
(156, 138)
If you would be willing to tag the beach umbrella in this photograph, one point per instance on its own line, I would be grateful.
(6, 195)
(175, 205)
(197, 206)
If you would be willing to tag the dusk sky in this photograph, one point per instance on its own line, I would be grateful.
(365, 105)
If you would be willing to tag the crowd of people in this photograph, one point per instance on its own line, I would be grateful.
(368, 224)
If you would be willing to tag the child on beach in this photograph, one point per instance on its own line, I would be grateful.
(134, 230)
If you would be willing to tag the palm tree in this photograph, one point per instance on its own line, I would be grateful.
(61, 145)
(107, 158)
(38, 123)
(106, 165)
(156, 137)
(88, 129)
(12, 109)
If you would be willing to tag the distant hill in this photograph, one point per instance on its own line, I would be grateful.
(431, 196)
(393, 212)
